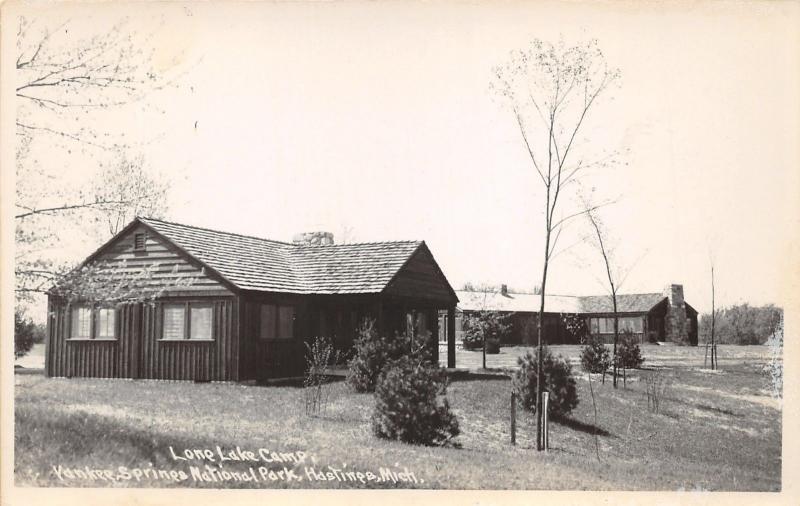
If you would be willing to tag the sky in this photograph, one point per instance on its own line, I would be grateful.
(377, 120)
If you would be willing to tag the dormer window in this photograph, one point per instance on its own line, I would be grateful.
(139, 241)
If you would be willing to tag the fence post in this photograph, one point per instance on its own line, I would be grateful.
(546, 419)
(513, 417)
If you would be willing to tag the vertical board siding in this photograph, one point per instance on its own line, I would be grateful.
(138, 352)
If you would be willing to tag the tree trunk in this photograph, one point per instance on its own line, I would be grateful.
(616, 332)
(713, 322)
(484, 350)
(540, 361)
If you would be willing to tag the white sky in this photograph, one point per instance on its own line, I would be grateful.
(379, 117)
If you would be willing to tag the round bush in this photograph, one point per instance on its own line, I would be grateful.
(558, 380)
(372, 353)
(472, 338)
(595, 357)
(489, 325)
(410, 404)
(629, 355)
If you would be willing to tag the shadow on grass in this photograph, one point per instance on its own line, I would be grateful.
(580, 426)
(18, 369)
(294, 382)
(489, 374)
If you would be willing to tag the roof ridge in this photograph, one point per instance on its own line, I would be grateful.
(415, 241)
(367, 243)
(525, 293)
(620, 294)
(216, 230)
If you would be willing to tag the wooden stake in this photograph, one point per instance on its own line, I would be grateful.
(513, 417)
(546, 420)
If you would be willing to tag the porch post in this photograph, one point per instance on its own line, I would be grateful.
(379, 317)
(451, 337)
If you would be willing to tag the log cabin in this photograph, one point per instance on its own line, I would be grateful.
(650, 317)
(250, 307)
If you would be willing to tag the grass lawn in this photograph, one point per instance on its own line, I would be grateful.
(715, 431)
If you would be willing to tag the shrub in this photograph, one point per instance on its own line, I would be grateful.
(629, 355)
(319, 355)
(596, 358)
(489, 325)
(657, 387)
(576, 327)
(492, 346)
(24, 334)
(558, 380)
(472, 340)
(410, 404)
(373, 352)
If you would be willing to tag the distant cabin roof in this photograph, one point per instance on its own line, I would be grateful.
(529, 302)
(253, 263)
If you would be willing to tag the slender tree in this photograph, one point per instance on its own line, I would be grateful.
(485, 323)
(713, 319)
(615, 272)
(551, 89)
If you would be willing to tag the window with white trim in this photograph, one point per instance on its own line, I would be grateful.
(606, 325)
(81, 322)
(105, 323)
(191, 321)
(200, 322)
(87, 322)
(174, 326)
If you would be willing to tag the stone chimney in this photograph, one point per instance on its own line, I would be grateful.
(313, 239)
(504, 290)
(675, 328)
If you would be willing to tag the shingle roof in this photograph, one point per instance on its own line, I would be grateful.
(517, 302)
(528, 302)
(252, 263)
(626, 303)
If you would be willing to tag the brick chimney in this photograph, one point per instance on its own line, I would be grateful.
(313, 239)
(675, 328)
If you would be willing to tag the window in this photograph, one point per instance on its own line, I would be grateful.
(606, 325)
(139, 241)
(81, 323)
(200, 325)
(106, 323)
(93, 323)
(277, 322)
(174, 321)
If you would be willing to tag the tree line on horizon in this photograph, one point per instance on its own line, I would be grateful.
(743, 324)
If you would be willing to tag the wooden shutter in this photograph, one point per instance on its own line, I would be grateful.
(286, 322)
(268, 321)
